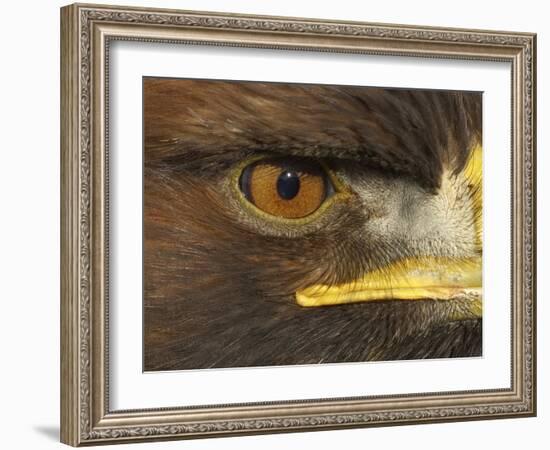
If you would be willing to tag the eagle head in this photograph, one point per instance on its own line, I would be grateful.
(300, 224)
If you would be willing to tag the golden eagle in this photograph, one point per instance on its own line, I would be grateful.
(305, 224)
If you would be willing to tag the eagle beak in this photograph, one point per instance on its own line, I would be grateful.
(419, 278)
(410, 279)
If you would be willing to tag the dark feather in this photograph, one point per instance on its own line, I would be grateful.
(200, 124)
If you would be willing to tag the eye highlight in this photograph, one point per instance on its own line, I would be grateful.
(286, 187)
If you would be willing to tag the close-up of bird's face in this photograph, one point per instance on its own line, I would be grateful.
(306, 224)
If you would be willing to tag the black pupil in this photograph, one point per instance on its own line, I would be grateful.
(288, 184)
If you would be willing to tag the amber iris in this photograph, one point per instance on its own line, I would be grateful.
(288, 188)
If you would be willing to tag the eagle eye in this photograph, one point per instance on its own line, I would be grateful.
(289, 188)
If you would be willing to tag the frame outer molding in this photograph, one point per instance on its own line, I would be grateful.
(70, 243)
(86, 31)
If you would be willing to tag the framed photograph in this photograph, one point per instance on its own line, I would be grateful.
(274, 224)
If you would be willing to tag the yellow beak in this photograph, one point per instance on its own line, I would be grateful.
(410, 279)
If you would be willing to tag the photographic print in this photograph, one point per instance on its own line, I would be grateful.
(290, 224)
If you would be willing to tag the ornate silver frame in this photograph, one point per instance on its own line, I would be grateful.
(86, 31)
